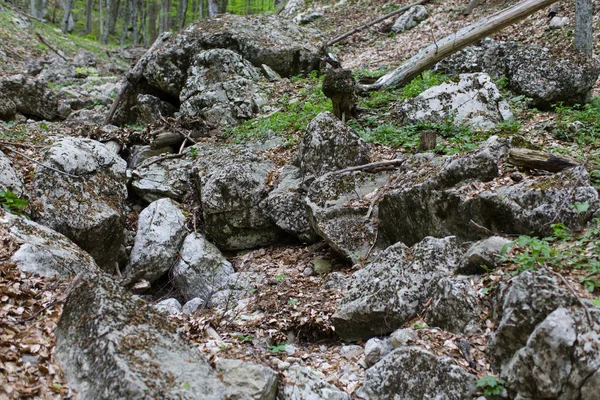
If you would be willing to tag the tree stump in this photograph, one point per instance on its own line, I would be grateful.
(427, 142)
(340, 87)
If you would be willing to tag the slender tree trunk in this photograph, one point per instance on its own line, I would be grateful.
(143, 9)
(126, 21)
(152, 15)
(106, 25)
(114, 16)
(222, 6)
(184, 9)
(67, 22)
(89, 7)
(213, 8)
(584, 41)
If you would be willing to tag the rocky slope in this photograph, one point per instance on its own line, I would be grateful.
(171, 259)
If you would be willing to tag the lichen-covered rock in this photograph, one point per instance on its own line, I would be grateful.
(338, 205)
(431, 209)
(10, 179)
(221, 88)
(482, 256)
(454, 304)
(411, 18)
(560, 359)
(520, 306)
(139, 154)
(375, 350)
(32, 98)
(111, 346)
(414, 374)
(167, 178)
(393, 288)
(150, 109)
(302, 384)
(8, 108)
(87, 208)
(286, 205)
(531, 70)
(247, 381)
(161, 230)
(329, 145)
(43, 251)
(201, 269)
(474, 101)
(169, 306)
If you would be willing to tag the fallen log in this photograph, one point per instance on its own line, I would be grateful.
(437, 51)
(373, 22)
(536, 159)
(134, 76)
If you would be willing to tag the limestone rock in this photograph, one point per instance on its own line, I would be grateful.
(169, 306)
(247, 381)
(393, 288)
(411, 18)
(201, 269)
(32, 98)
(526, 302)
(417, 374)
(454, 304)
(161, 230)
(302, 384)
(43, 251)
(86, 209)
(474, 101)
(8, 108)
(375, 350)
(484, 253)
(329, 145)
(10, 179)
(166, 178)
(150, 109)
(111, 346)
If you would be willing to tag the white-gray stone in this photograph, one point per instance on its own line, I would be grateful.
(482, 256)
(169, 306)
(193, 305)
(247, 381)
(10, 179)
(302, 384)
(411, 18)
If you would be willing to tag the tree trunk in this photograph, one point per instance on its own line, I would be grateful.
(89, 7)
(213, 8)
(435, 52)
(126, 21)
(114, 16)
(583, 27)
(106, 27)
(101, 10)
(67, 23)
(152, 16)
(182, 17)
(535, 159)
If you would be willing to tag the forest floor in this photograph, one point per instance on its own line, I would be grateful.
(288, 316)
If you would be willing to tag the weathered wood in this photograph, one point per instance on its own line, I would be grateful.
(437, 51)
(584, 40)
(536, 159)
(134, 76)
(471, 7)
(340, 87)
(373, 22)
(371, 166)
(175, 138)
(41, 39)
(427, 142)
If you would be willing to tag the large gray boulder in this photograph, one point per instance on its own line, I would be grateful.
(520, 306)
(86, 205)
(8, 108)
(150, 109)
(531, 70)
(302, 384)
(43, 251)
(454, 304)
(474, 101)
(560, 360)
(411, 18)
(201, 269)
(483, 256)
(412, 373)
(393, 288)
(221, 88)
(111, 346)
(31, 97)
(10, 178)
(329, 145)
(286, 205)
(338, 205)
(161, 230)
(247, 381)
(166, 178)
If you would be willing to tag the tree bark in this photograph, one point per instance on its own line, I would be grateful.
(583, 27)
(535, 159)
(182, 17)
(114, 16)
(89, 7)
(152, 16)
(67, 23)
(106, 27)
(213, 8)
(435, 52)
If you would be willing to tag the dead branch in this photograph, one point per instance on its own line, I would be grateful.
(471, 7)
(435, 52)
(535, 159)
(41, 38)
(372, 166)
(373, 22)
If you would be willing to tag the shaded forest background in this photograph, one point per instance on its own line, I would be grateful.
(133, 22)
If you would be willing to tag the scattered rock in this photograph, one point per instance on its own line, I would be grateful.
(482, 256)
(520, 306)
(402, 337)
(417, 374)
(247, 381)
(88, 208)
(139, 154)
(169, 306)
(329, 145)
(411, 18)
(558, 22)
(43, 251)
(393, 288)
(292, 8)
(85, 58)
(307, 17)
(167, 178)
(193, 305)
(302, 384)
(474, 101)
(201, 269)
(375, 350)
(454, 304)
(111, 346)
(560, 359)
(161, 230)
(10, 179)
(150, 108)
(8, 108)
(31, 97)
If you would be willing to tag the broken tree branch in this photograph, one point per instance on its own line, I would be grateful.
(433, 53)
(373, 22)
(41, 39)
(371, 166)
(134, 76)
(536, 159)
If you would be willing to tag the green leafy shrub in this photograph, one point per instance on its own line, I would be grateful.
(423, 82)
(491, 385)
(11, 202)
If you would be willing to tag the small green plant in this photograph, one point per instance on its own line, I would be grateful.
(193, 152)
(11, 202)
(279, 348)
(502, 82)
(186, 385)
(43, 126)
(292, 302)
(423, 82)
(280, 277)
(417, 325)
(491, 385)
(244, 338)
(222, 347)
